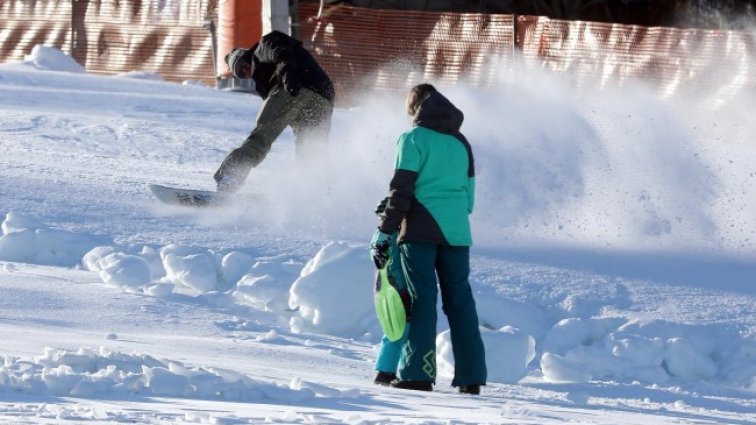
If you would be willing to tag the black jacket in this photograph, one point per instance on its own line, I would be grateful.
(280, 61)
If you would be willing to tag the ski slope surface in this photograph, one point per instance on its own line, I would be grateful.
(614, 264)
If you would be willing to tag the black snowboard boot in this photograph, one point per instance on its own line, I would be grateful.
(384, 378)
(469, 389)
(233, 171)
(413, 385)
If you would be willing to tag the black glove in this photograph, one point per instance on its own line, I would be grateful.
(379, 248)
(291, 84)
(381, 207)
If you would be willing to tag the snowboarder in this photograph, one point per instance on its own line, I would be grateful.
(297, 92)
(431, 195)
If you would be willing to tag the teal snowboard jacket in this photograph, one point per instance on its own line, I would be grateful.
(432, 191)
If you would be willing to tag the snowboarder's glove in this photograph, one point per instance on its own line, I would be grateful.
(379, 248)
(291, 84)
(381, 207)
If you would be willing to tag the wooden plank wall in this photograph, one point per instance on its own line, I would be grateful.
(381, 49)
(668, 59)
(110, 36)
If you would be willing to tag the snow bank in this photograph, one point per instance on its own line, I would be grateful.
(334, 292)
(582, 350)
(51, 59)
(508, 353)
(496, 311)
(91, 372)
(195, 271)
(266, 285)
(25, 240)
(126, 270)
(159, 271)
(332, 296)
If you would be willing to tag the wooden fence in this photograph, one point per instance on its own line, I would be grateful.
(110, 36)
(381, 49)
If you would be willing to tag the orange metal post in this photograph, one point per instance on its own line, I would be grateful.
(239, 25)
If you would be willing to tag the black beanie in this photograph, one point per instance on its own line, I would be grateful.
(236, 58)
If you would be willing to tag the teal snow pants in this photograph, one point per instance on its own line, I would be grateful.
(388, 355)
(421, 263)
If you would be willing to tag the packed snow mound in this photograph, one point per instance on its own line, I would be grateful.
(25, 240)
(508, 353)
(334, 292)
(194, 271)
(187, 270)
(51, 59)
(583, 350)
(89, 372)
(267, 284)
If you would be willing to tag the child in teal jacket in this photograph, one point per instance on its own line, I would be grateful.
(431, 196)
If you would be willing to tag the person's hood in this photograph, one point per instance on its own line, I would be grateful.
(437, 113)
(237, 58)
(271, 41)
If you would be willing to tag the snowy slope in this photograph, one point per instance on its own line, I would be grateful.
(613, 268)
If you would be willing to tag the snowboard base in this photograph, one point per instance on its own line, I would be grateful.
(197, 198)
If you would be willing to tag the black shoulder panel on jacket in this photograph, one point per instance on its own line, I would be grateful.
(421, 226)
(401, 194)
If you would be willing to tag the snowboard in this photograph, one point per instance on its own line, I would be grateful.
(198, 198)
